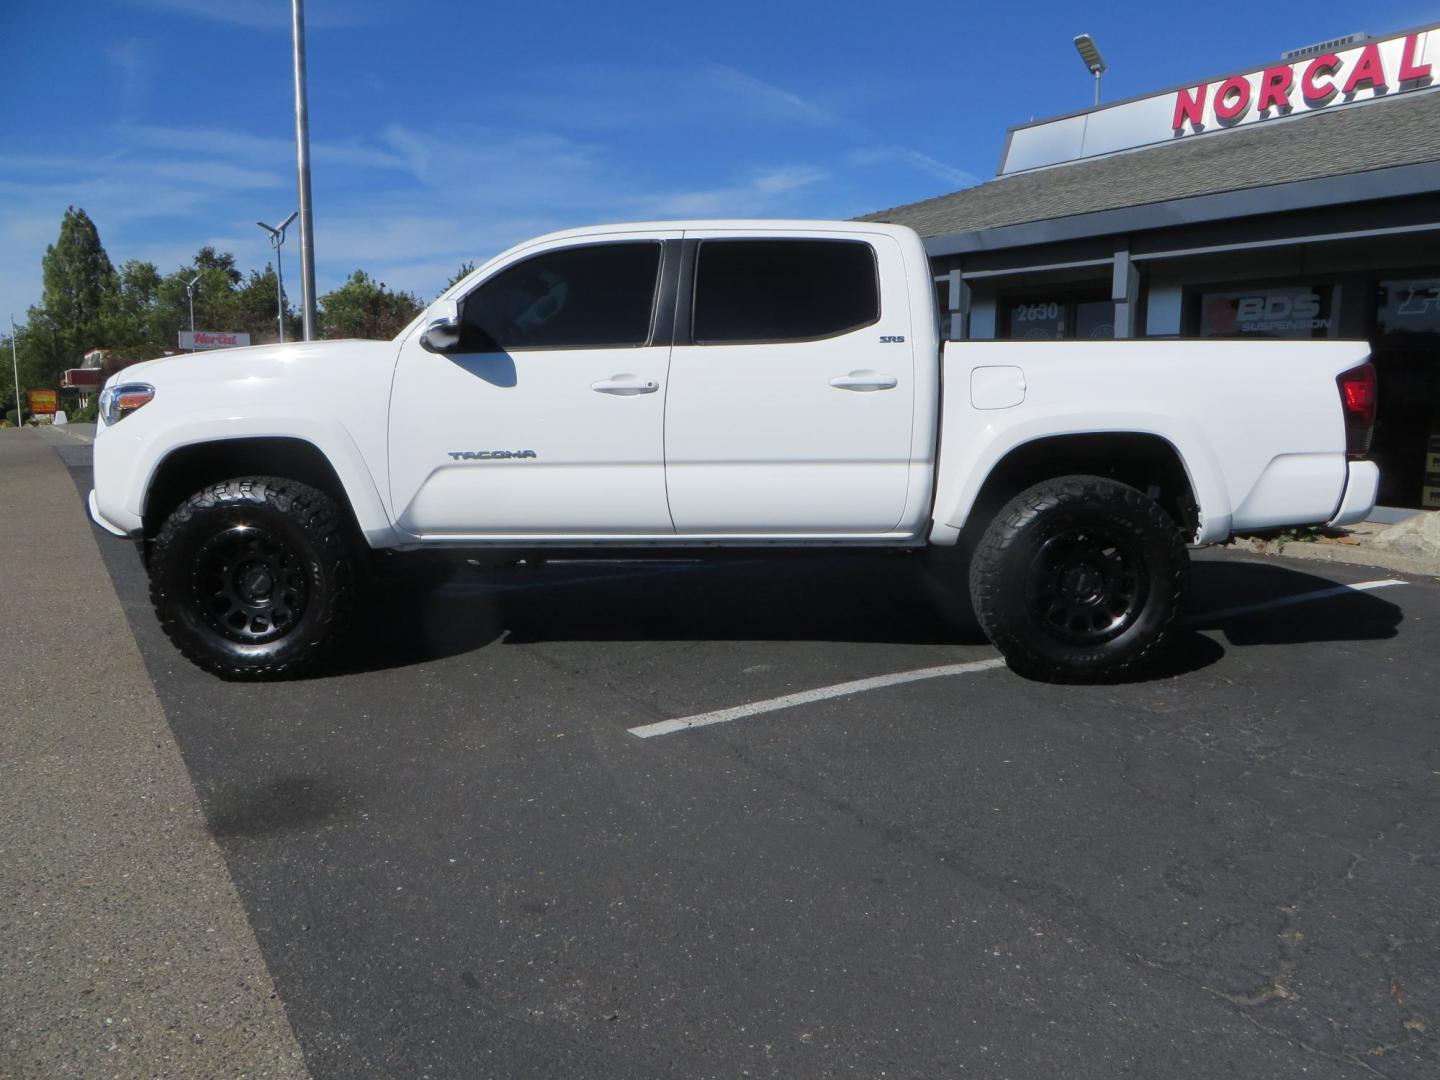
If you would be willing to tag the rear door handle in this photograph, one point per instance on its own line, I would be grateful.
(625, 385)
(864, 380)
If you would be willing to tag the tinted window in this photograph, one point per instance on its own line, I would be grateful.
(583, 297)
(783, 290)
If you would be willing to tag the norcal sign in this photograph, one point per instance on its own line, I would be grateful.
(1370, 70)
(1356, 73)
(209, 339)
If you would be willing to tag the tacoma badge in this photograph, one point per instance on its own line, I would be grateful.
(480, 455)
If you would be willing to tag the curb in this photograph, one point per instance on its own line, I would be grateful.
(1359, 555)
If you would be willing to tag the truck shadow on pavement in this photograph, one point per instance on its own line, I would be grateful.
(1218, 586)
(840, 599)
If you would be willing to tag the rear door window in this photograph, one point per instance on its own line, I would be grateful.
(783, 290)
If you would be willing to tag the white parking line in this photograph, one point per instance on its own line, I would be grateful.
(859, 686)
(805, 697)
(1286, 601)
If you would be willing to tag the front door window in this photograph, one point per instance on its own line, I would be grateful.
(597, 296)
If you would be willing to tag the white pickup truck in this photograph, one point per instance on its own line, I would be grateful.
(670, 388)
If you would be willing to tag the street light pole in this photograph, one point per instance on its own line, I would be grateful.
(15, 365)
(190, 295)
(277, 241)
(1090, 54)
(302, 165)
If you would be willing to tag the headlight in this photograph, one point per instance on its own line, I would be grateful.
(118, 402)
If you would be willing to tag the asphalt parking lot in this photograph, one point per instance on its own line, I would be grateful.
(460, 860)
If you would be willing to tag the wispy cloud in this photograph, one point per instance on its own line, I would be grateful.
(764, 192)
(601, 99)
(130, 58)
(246, 148)
(215, 174)
(875, 155)
(270, 14)
(766, 97)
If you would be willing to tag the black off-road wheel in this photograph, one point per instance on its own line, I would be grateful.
(1080, 579)
(253, 578)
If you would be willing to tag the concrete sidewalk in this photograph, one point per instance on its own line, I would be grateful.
(1411, 546)
(124, 948)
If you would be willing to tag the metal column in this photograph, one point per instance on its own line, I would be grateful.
(302, 163)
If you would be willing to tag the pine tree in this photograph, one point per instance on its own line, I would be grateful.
(78, 283)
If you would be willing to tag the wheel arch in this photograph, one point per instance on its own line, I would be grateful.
(1144, 460)
(188, 468)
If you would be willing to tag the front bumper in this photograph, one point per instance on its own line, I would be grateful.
(104, 522)
(1362, 488)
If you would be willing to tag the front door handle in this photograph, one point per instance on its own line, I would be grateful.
(625, 385)
(864, 381)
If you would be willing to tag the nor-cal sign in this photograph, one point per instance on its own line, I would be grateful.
(1351, 74)
(1367, 71)
(212, 339)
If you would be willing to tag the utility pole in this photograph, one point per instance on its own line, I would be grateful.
(302, 164)
(15, 364)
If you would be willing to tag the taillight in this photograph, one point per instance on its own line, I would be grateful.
(1358, 396)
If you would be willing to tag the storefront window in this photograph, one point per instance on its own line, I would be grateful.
(1049, 319)
(1409, 306)
(1095, 319)
(1407, 358)
(1037, 320)
(1300, 311)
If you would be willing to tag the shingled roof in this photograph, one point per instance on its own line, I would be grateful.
(1403, 130)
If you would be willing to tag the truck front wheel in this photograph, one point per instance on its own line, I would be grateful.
(252, 578)
(1079, 579)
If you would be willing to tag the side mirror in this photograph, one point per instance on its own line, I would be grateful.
(442, 327)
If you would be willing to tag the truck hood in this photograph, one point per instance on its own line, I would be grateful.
(293, 359)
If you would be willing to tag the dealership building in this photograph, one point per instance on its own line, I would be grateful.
(1298, 199)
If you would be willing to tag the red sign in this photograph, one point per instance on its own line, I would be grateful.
(209, 339)
(83, 378)
(1314, 84)
(42, 402)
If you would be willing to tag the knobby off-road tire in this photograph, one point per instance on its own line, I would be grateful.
(254, 578)
(1080, 579)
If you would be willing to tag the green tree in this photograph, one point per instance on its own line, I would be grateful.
(255, 309)
(78, 284)
(208, 260)
(364, 308)
(465, 268)
(135, 315)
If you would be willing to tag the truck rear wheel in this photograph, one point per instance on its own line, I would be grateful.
(252, 578)
(1079, 579)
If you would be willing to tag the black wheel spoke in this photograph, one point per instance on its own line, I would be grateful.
(250, 584)
(1085, 584)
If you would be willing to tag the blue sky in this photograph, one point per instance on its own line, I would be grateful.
(447, 131)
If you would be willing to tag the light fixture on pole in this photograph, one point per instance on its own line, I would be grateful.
(1085, 46)
(277, 240)
(190, 295)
